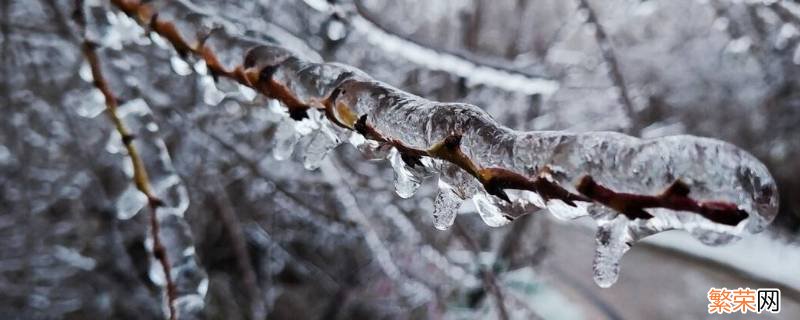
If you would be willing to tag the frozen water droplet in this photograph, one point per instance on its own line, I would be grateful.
(156, 274)
(247, 92)
(92, 106)
(158, 40)
(227, 86)
(306, 126)
(201, 67)
(370, 149)
(405, 183)
(190, 306)
(613, 240)
(129, 203)
(356, 139)
(135, 107)
(202, 288)
(285, 140)
(319, 146)
(445, 207)
(211, 95)
(85, 72)
(180, 66)
(114, 143)
(336, 30)
(275, 107)
(490, 213)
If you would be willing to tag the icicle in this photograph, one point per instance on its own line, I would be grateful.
(285, 139)
(613, 240)
(491, 214)
(463, 184)
(180, 66)
(324, 141)
(211, 95)
(445, 207)
(405, 183)
(200, 67)
(247, 93)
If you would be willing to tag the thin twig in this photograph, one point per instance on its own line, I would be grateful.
(610, 57)
(487, 274)
(232, 225)
(140, 177)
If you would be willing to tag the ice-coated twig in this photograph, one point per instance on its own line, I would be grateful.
(609, 176)
(140, 177)
(494, 180)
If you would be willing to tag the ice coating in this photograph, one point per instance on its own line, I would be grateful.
(706, 173)
(188, 276)
(445, 207)
(285, 139)
(712, 170)
(405, 182)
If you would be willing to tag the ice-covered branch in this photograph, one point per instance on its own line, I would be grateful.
(631, 187)
(140, 176)
(156, 186)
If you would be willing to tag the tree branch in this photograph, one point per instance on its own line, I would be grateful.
(233, 228)
(610, 57)
(351, 99)
(140, 177)
(487, 274)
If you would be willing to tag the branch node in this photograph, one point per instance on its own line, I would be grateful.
(128, 138)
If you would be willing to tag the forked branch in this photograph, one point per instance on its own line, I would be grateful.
(140, 177)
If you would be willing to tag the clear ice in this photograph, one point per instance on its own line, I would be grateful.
(713, 170)
(445, 207)
(175, 234)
